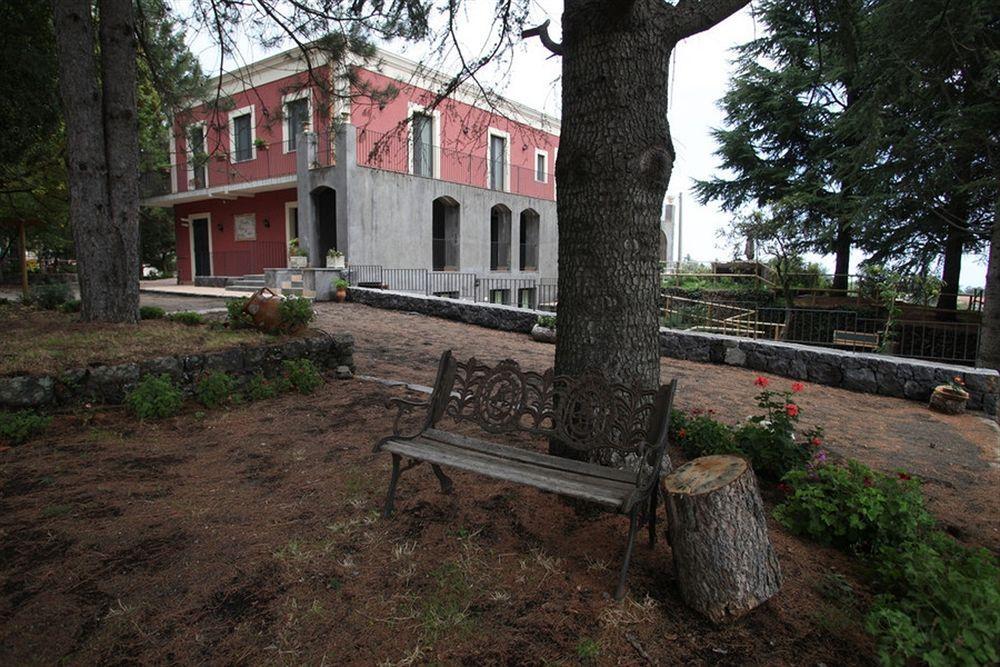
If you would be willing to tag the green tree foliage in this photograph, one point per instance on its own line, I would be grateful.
(784, 142)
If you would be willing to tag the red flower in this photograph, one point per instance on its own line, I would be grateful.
(761, 381)
(816, 441)
(696, 411)
(792, 410)
(797, 387)
(868, 482)
(903, 476)
(784, 488)
(681, 433)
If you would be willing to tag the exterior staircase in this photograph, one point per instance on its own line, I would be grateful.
(253, 282)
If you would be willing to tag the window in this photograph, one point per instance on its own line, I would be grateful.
(241, 134)
(198, 167)
(423, 145)
(526, 297)
(296, 118)
(529, 240)
(541, 166)
(445, 234)
(500, 238)
(498, 160)
(501, 296)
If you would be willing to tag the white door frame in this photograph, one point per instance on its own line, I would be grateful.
(211, 262)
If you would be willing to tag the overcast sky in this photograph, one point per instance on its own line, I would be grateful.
(699, 78)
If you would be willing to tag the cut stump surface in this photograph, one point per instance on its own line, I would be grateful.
(723, 558)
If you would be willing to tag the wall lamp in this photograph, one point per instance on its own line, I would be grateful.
(267, 223)
(219, 226)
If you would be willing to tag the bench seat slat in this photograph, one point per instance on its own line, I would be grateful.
(528, 456)
(610, 493)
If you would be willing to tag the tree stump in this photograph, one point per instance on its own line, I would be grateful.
(723, 558)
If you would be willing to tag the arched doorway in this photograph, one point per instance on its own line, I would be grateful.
(528, 254)
(499, 238)
(446, 234)
(324, 201)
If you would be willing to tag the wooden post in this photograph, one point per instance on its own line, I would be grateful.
(723, 558)
(24, 259)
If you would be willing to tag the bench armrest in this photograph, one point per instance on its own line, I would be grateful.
(405, 406)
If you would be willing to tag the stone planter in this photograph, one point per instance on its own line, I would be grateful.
(335, 262)
(543, 334)
(298, 261)
(948, 400)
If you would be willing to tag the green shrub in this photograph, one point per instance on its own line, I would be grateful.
(71, 306)
(302, 375)
(261, 388)
(547, 321)
(155, 397)
(235, 316)
(700, 435)
(341, 284)
(296, 312)
(186, 317)
(852, 506)
(21, 426)
(151, 313)
(941, 604)
(50, 296)
(214, 389)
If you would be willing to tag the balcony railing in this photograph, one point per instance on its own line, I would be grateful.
(184, 172)
(390, 151)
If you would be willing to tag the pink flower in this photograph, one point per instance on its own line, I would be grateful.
(792, 410)
(681, 433)
(868, 482)
(903, 476)
(784, 488)
(761, 381)
(797, 387)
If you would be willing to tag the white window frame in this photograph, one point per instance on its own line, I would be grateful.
(289, 205)
(190, 154)
(233, 115)
(286, 136)
(411, 109)
(490, 133)
(545, 166)
(190, 224)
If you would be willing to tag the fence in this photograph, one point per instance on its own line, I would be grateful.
(521, 292)
(390, 151)
(258, 256)
(933, 340)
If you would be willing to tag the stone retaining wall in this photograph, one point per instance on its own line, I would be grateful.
(109, 384)
(871, 373)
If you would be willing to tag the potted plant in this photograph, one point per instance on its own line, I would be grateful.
(297, 256)
(260, 144)
(950, 398)
(341, 294)
(544, 330)
(335, 259)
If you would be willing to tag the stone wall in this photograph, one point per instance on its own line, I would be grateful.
(857, 371)
(507, 318)
(870, 373)
(109, 384)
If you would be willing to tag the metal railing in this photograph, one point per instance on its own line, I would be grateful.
(256, 257)
(390, 151)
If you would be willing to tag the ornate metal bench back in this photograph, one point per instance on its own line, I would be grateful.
(586, 412)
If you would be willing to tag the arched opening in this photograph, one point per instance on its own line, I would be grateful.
(499, 238)
(664, 247)
(529, 240)
(445, 234)
(324, 202)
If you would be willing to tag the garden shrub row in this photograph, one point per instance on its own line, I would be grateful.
(20, 426)
(157, 396)
(938, 601)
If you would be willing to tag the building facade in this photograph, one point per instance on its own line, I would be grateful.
(366, 167)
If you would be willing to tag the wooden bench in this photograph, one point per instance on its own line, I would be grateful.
(855, 339)
(625, 427)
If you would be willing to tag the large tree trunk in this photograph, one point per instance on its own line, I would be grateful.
(842, 248)
(105, 245)
(951, 271)
(989, 337)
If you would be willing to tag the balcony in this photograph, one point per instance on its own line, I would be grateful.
(390, 151)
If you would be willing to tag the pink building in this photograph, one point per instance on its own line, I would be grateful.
(464, 194)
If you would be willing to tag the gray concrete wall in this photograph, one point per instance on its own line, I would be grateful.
(385, 218)
(870, 373)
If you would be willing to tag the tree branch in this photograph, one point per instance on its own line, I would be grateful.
(542, 33)
(693, 16)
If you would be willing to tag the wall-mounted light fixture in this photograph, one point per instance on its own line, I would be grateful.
(219, 227)
(267, 223)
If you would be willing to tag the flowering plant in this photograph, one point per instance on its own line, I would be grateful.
(957, 384)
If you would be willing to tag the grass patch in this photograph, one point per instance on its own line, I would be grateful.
(48, 342)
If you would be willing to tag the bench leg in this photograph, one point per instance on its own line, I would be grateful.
(446, 486)
(387, 511)
(632, 529)
(651, 517)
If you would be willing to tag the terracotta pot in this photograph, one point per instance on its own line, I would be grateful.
(340, 296)
(263, 308)
(948, 400)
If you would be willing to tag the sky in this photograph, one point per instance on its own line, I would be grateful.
(699, 77)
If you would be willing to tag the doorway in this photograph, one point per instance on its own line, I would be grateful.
(201, 247)
(325, 206)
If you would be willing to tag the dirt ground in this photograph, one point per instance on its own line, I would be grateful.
(251, 535)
